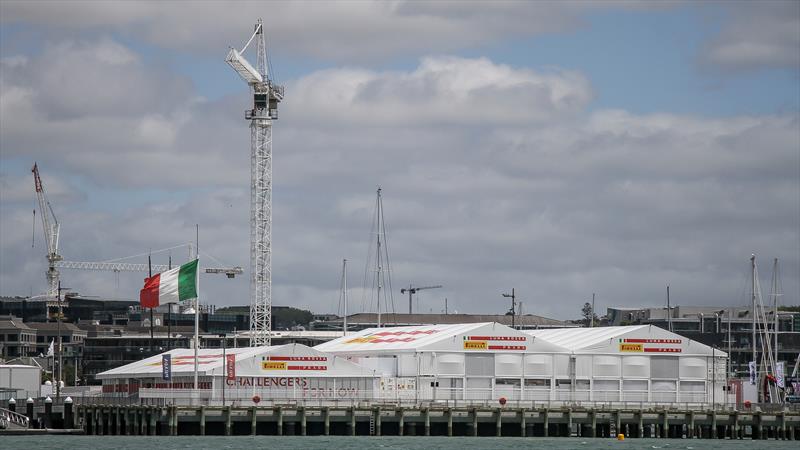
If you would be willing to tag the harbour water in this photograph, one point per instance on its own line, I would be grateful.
(368, 443)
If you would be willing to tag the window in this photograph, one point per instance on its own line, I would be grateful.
(537, 383)
(507, 382)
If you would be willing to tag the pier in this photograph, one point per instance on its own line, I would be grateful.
(433, 420)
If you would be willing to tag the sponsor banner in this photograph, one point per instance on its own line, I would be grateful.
(652, 341)
(752, 366)
(779, 377)
(297, 358)
(166, 367)
(273, 365)
(507, 347)
(661, 350)
(284, 365)
(230, 367)
(496, 338)
(476, 345)
(391, 336)
(631, 348)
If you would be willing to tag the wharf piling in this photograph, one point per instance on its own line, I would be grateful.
(433, 420)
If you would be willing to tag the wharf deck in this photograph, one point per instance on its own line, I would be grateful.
(435, 421)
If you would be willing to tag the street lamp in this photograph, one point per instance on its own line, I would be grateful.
(513, 298)
(224, 367)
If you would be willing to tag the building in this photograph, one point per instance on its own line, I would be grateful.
(361, 321)
(476, 362)
(19, 381)
(72, 337)
(17, 338)
(729, 329)
(272, 372)
(488, 361)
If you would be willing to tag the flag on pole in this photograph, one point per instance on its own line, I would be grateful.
(171, 286)
(50, 351)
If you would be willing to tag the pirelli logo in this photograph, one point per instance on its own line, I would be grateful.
(273, 365)
(476, 345)
(639, 348)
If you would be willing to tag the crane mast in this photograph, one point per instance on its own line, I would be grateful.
(413, 290)
(51, 231)
(266, 97)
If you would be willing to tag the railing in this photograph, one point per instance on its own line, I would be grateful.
(368, 398)
(8, 417)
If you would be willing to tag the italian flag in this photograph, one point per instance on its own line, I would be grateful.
(171, 286)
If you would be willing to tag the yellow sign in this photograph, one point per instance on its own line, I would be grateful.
(475, 345)
(631, 348)
(273, 365)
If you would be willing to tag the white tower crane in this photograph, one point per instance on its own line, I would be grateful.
(266, 96)
(55, 261)
(51, 229)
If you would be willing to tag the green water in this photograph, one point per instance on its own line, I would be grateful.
(366, 443)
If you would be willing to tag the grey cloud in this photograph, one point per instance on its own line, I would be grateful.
(757, 35)
(363, 30)
(557, 203)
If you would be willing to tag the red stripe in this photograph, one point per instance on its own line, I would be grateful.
(148, 296)
(506, 347)
(307, 368)
(298, 358)
(653, 341)
(662, 350)
(496, 338)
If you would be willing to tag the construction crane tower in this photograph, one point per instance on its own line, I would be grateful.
(266, 96)
(55, 261)
(413, 290)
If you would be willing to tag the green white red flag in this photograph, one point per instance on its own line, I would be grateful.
(172, 286)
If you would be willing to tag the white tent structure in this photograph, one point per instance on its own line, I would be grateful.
(631, 363)
(476, 361)
(271, 372)
(457, 362)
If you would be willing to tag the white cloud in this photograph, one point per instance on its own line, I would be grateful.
(535, 192)
(441, 90)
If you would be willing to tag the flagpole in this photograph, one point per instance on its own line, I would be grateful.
(150, 275)
(196, 304)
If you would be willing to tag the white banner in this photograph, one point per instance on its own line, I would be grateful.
(779, 379)
(752, 365)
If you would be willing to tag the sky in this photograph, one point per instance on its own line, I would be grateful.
(557, 148)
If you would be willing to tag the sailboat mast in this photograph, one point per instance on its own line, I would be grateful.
(753, 295)
(775, 307)
(344, 295)
(380, 262)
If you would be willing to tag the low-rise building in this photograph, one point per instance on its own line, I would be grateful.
(18, 339)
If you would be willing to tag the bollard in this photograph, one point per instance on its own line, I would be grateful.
(69, 419)
(29, 410)
(48, 412)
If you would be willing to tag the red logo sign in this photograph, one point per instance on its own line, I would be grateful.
(230, 367)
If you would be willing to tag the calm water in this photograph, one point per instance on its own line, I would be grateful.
(366, 443)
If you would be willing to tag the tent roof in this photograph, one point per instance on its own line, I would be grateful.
(587, 340)
(183, 361)
(580, 338)
(431, 337)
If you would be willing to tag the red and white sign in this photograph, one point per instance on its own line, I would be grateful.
(230, 367)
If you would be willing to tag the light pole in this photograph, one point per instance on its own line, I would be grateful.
(224, 368)
(60, 352)
(513, 298)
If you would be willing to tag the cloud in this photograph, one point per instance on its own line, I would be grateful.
(363, 30)
(494, 177)
(758, 35)
(441, 90)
